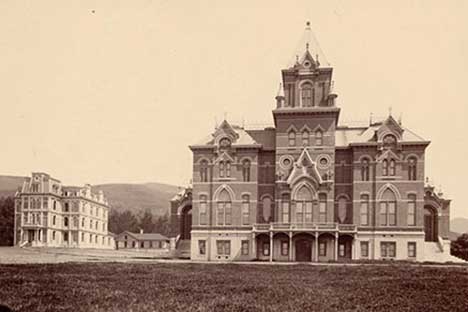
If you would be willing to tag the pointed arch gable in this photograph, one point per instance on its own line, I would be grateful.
(306, 128)
(291, 128)
(391, 188)
(299, 189)
(224, 156)
(221, 192)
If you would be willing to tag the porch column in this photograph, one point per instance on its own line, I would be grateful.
(316, 247)
(336, 246)
(353, 249)
(290, 246)
(271, 246)
(254, 246)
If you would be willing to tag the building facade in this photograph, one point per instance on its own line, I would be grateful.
(141, 241)
(309, 188)
(48, 214)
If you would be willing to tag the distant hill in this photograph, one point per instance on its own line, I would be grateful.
(135, 197)
(139, 197)
(9, 185)
(459, 225)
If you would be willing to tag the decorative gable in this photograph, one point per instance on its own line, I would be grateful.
(225, 130)
(304, 167)
(390, 126)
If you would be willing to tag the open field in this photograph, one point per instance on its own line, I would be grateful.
(231, 287)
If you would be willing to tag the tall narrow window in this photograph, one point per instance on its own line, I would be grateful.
(203, 210)
(318, 137)
(245, 247)
(365, 170)
(204, 171)
(285, 208)
(291, 95)
(228, 169)
(303, 205)
(306, 95)
(392, 167)
(364, 249)
(388, 208)
(202, 247)
(305, 138)
(292, 138)
(322, 249)
(224, 214)
(284, 248)
(246, 170)
(54, 220)
(221, 169)
(245, 209)
(411, 249)
(411, 209)
(364, 209)
(322, 208)
(299, 211)
(412, 169)
(385, 167)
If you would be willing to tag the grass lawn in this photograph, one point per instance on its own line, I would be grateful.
(231, 287)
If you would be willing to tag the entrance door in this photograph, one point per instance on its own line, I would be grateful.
(30, 236)
(186, 223)
(303, 250)
(429, 225)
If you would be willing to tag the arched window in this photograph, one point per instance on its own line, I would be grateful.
(224, 213)
(307, 99)
(342, 209)
(228, 169)
(365, 169)
(364, 209)
(266, 209)
(411, 209)
(221, 169)
(385, 167)
(305, 138)
(318, 137)
(388, 208)
(82, 222)
(292, 138)
(204, 171)
(203, 210)
(412, 169)
(245, 209)
(303, 205)
(285, 204)
(392, 167)
(322, 208)
(65, 221)
(54, 219)
(66, 207)
(246, 170)
(90, 224)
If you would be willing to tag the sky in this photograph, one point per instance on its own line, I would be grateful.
(115, 91)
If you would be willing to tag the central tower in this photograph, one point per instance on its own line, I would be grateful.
(305, 119)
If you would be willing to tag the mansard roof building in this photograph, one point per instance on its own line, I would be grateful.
(49, 214)
(309, 188)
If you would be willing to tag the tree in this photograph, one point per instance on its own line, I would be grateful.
(162, 225)
(124, 221)
(146, 222)
(459, 247)
(7, 219)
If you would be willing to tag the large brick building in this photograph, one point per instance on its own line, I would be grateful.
(48, 214)
(309, 188)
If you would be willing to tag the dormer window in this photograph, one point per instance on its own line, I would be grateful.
(307, 92)
(224, 143)
(389, 141)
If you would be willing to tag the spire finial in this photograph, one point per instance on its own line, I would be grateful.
(389, 111)
(370, 119)
(308, 24)
(297, 59)
(307, 46)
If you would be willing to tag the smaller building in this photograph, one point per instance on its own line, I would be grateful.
(141, 241)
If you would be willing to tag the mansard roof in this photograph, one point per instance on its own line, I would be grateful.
(347, 135)
(238, 135)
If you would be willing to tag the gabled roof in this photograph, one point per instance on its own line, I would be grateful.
(304, 167)
(239, 135)
(145, 236)
(345, 136)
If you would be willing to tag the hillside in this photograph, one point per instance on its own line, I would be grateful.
(459, 225)
(9, 185)
(121, 196)
(139, 197)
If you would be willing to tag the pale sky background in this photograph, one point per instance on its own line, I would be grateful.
(115, 91)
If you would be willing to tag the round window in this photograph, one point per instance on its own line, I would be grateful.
(286, 162)
(307, 64)
(323, 161)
